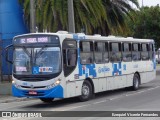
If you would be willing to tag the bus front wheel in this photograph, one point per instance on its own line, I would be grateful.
(47, 100)
(136, 82)
(86, 91)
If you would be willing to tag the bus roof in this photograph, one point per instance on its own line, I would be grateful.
(82, 36)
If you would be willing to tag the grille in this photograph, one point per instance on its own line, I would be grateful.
(35, 87)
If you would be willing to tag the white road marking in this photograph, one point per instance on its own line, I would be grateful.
(70, 108)
(15, 106)
(114, 98)
(100, 102)
(143, 91)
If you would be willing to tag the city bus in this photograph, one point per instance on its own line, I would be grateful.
(64, 65)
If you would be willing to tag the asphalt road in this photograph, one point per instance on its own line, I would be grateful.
(147, 98)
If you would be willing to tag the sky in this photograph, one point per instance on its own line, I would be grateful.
(149, 2)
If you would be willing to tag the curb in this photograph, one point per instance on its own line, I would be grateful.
(12, 99)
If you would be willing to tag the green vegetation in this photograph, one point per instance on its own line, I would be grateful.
(145, 24)
(92, 16)
(105, 17)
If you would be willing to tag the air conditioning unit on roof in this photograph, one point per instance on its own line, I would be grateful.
(62, 32)
(98, 35)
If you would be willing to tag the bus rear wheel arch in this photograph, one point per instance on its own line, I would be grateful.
(86, 91)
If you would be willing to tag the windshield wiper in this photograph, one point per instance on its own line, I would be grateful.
(40, 51)
(26, 51)
(37, 54)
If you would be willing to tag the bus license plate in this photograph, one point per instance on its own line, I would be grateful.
(32, 93)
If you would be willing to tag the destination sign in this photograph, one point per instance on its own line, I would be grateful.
(32, 39)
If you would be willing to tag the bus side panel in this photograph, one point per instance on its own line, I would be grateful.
(110, 83)
(71, 92)
(129, 80)
(143, 76)
(149, 77)
(100, 71)
(123, 81)
(151, 74)
(117, 82)
(102, 84)
(142, 66)
(78, 87)
(149, 66)
(96, 85)
(73, 83)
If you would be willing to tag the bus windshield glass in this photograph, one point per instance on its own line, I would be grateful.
(36, 61)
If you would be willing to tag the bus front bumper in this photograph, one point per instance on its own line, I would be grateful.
(56, 92)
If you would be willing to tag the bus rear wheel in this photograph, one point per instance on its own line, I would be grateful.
(136, 82)
(86, 91)
(47, 100)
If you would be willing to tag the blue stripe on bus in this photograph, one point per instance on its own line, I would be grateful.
(154, 64)
(56, 92)
(87, 70)
(78, 37)
(117, 69)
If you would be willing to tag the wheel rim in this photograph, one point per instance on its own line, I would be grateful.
(85, 90)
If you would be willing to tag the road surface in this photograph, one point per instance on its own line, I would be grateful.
(147, 98)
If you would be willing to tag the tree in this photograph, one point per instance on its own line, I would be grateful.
(91, 16)
(146, 24)
(117, 11)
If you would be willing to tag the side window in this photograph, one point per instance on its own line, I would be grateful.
(136, 52)
(115, 52)
(145, 52)
(106, 53)
(69, 56)
(99, 48)
(86, 52)
(101, 52)
(151, 52)
(127, 54)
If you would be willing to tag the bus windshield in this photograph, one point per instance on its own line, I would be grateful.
(36, 61)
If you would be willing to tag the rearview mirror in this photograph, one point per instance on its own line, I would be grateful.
(8, 50)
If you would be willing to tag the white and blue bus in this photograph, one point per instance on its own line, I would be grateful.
(63, 65)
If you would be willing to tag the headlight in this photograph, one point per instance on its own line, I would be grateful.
(15, 84)
(57, 82)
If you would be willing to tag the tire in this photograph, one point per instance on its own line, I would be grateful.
(47, 100)
(86, 91)
(136, 82)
